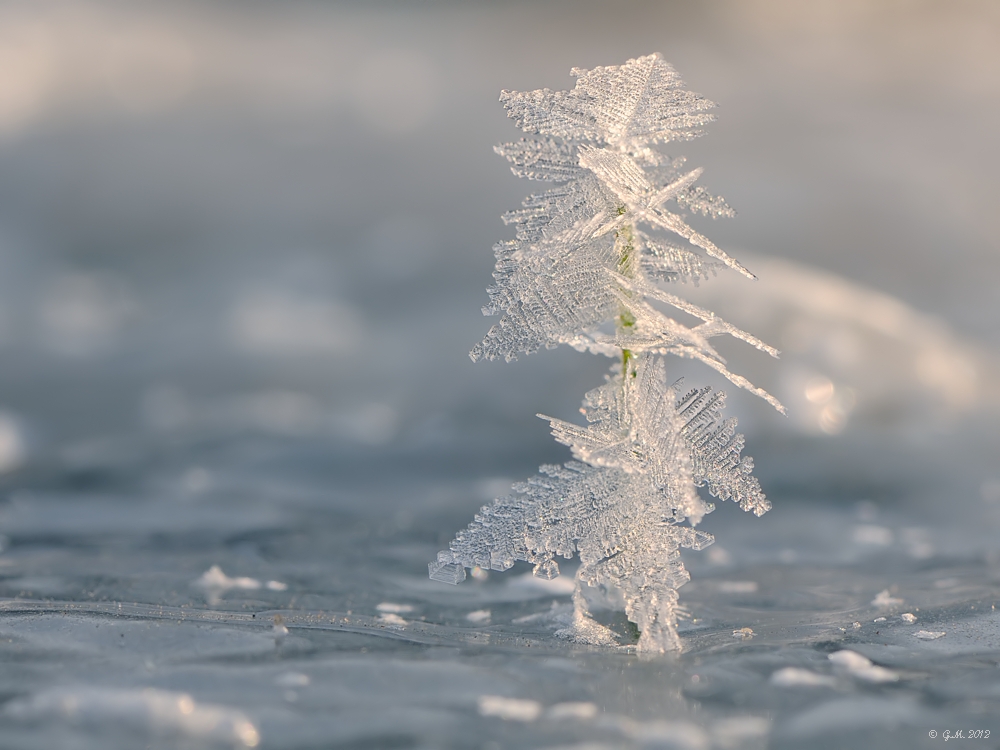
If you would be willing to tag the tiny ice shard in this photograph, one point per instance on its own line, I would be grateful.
(743, 633)
(908, 617)
(446, 572)
(929, 635)
(279, 629)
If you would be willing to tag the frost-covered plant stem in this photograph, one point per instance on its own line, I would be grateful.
(625, 320)
(589, 259)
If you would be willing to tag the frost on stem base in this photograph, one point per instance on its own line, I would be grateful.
(627, 506)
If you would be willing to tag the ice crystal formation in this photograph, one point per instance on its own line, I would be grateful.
(591, 265)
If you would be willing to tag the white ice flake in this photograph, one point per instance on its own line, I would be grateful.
(587, 268)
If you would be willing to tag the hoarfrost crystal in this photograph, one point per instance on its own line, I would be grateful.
(589, 260)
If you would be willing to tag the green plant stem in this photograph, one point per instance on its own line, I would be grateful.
(625, 322)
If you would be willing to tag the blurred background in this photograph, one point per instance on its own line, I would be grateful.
(278, 216)
(243, 250)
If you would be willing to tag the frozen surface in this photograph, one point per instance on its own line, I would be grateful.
(242, 253)
(319, 622)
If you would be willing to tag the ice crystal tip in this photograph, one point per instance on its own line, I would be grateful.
(446, 572)
(560, 280)
(593, 264)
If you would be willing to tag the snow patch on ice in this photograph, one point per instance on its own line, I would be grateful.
(392, 620)
(883, 600)
(479, 616)
(148, 711)
(511, 709)
(796, 677)
(861, 667)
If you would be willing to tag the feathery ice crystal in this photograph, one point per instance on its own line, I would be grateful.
(589, 258)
